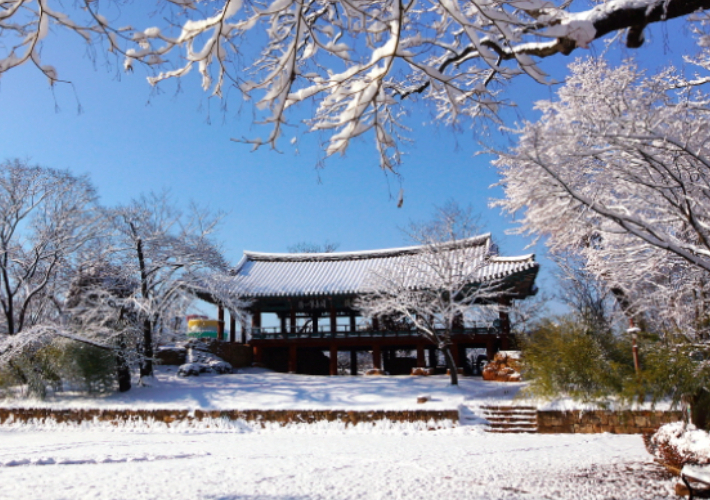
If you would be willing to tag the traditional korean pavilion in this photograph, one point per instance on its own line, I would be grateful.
(311, 299)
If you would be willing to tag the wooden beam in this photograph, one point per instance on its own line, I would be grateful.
(258, 352)
(333, 359)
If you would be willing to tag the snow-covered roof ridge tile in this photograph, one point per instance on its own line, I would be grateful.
(483, 239)
(514, 258)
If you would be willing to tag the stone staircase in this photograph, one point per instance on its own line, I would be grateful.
(510, 419)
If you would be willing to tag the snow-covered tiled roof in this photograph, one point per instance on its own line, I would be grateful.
(347, 273)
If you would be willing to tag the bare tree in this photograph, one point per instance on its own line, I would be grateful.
(169, 255)
(308, 247)
(435, 287)
(359, 60)
(46, 217)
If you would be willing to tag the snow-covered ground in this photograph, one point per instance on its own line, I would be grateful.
(257, 388)
(323, 462)
(235, 460)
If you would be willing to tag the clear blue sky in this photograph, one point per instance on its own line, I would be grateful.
(130, 141)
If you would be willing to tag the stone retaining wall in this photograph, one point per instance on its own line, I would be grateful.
(282, 417)
(597, 421)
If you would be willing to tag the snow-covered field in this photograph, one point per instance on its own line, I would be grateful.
(227, 460)
(324, 462)
(257, 388)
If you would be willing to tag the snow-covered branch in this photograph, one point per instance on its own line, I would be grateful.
(617, 169)
(359, 60)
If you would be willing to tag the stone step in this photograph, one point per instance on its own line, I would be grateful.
(508, 408)
(510, 419)
(496, 419)
(514, 414)
(510, 425)
(512, 430)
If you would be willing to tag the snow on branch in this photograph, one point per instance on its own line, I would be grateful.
(617, 169)
(359, 60)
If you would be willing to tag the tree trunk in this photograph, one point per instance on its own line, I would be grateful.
(147, 361)
(451, 364)
(123, 373)
(700, 410)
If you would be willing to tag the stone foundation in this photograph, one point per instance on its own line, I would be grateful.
(282, 417)
(598, 421)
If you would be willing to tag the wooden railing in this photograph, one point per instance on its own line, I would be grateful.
(344, 332)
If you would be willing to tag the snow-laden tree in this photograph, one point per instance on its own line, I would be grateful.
(359, 60)
(46, 217)
(99, 309)
(617, 169)
(434, 290)
(133, 285)
(169, 255)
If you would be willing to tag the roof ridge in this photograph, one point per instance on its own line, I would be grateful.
(362, 254)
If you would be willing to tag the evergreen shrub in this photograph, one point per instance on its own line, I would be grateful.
(563, 357)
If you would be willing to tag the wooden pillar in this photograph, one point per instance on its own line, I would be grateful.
(454, 348)
(258, 354)
(314, 320)
(293, 320)
(282, 318)
(490, 349)
(353, 362)
(333, 320)
(462, 359)
(432, 357)
(256, 319)
(243, 326)
(353, 323)
(457, 323)
(421, 363)
(504, 318)
(292, 359)
(375, 324)
(232, 327)
(220, 322)
(333, 359)
(376, 357)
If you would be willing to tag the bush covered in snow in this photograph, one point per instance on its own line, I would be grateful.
(201, 360)
(61, 365)
(679, 444)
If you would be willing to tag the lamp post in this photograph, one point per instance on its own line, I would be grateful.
(634, 330)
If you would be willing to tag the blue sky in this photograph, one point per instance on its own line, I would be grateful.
(131, 141)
